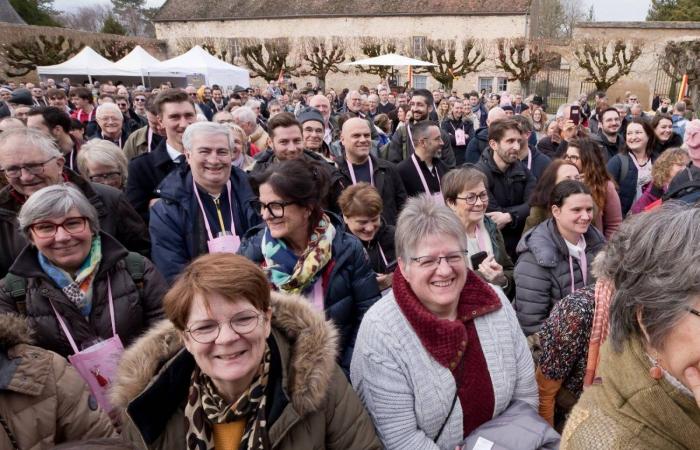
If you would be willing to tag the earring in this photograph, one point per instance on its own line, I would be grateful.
(655, 371)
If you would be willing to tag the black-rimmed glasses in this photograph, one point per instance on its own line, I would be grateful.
(102, 177)
(471, 198)
(242, 323)
(694, 311)
(34, 169)
(432, 262)
(276, 209)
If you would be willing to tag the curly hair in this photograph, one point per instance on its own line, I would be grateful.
(593, 170)
(661, 170)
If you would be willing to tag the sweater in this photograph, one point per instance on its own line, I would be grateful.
(408, 393)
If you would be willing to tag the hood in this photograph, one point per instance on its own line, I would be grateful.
(311, 354)
(548, 247)
(482, 134)
(14, 330)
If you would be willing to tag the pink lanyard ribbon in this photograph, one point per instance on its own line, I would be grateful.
(583, 263)
(204, 214)
(352, 172)
(422, 178)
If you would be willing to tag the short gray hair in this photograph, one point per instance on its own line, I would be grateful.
(107, 108)
(207, 129)
(653, 261)
(244, 115)
(422, 217)
(252, 103)
(105, 153)
(56, 201)
(33, 138)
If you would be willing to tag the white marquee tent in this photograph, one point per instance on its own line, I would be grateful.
(87, 63)
(141, 63)
(199, 61)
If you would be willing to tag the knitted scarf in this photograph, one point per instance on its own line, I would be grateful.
(293, 274)
(604, 291)
(206, 407)
(78, 290)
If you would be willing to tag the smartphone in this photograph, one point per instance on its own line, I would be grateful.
(575, 114)
(391, 266)
(477, 259)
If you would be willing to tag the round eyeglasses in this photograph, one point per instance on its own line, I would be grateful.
(242, 323)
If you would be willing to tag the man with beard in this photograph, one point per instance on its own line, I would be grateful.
(460, 130)
(608, 136)
(403, 144)
(421, 172)
(509, 183)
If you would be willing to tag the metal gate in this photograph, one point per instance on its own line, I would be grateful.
(552, 85)
(664, 85)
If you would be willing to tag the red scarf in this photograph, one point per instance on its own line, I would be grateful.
(454, 344)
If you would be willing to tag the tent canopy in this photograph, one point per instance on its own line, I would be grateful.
(198, 60)
(390, 59)
(86, 62)
(137, 60)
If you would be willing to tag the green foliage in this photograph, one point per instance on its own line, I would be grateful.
(674, 10)
(36, 12)
(25, 55)
(112, 26)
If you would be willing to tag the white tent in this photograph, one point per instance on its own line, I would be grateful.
(390, 59)
(141, 64)
(199, 61)
(87, 63)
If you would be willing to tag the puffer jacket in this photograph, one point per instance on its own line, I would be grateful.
(543, 275)
(135, 309)
(349, 284)
(43, 400)
(310, 404)
(117, 217)
(178, 233)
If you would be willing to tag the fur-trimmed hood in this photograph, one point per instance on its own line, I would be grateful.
(312, 349)
(14, 330)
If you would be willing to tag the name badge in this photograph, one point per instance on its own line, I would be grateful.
(460, 137)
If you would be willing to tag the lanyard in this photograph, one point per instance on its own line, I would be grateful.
(422, 178)
(352, 172)
(381, 252)
(150, 138)
(455, 129)
(529, 158)
(583, 263)
(480, 239)
(204, 214)
(410, 137)
(65, 327)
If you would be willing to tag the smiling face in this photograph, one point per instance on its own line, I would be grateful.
(567, 172)
(419, 108)
(175, 118)
(611, 123)
(65, 250)
(210, 161)
(27, 183)
(363, 227)
(111, 123)
(232, 360)
(313, 134)
(637, 138)
(664, 130)
(574, 216)
(293, 225)
(470, 214)
(287, 143)
(356, 140)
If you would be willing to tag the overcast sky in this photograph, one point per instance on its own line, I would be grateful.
(605, 10)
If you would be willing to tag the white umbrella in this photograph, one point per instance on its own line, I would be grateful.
(390, 59)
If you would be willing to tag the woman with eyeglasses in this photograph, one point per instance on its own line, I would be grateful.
(103, 162)
(648, 395)
(305, 250)
(554, 258)
(238, 367)
(443, 354)
(556, 172)
(465, 193)
(586, 155)
(76, 285)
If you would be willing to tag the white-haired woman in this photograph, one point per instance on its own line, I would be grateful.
(110, 121)
(239, 141)
(650, 365)
(102, 161)
(443, 354)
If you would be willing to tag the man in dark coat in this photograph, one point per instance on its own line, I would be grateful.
(476, 146)
(608, 136)
(460, 130)
(534, 160)
(422, 171)
(510, 184)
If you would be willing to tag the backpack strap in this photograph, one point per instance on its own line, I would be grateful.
(624, 167)
(136, 266)
(16, 286)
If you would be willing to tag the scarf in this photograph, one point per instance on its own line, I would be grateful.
(206, 407)
(78, 290)
(293, 274)
(604, 291)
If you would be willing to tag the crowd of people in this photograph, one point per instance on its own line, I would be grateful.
(273, 267)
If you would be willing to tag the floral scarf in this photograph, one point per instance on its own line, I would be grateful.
(204, 402)
(293, 274)
(78, 290)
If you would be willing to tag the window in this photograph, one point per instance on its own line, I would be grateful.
(236, 47)
(486, 83)
(420, 81)
(502, 84)
(418, 46)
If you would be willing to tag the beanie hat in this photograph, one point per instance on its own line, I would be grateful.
(310, 114)
(22, 97)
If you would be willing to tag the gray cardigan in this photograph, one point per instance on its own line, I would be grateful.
(408, 394)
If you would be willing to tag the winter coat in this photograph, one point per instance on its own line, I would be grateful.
(400, 148)
(388, 183)
(349, 283)
(627, 188)
(177, 227)
(450, 126)
(137, 144)
(675, 141)
(117, 217)
(310, 404)
(500, 255)
(543, 275)
(477, 145)
(260, 138)
(385, 239)
(629, 410)
(552, 149)
(538, 162)
(43, 400)
(608, 149)
(135, 309)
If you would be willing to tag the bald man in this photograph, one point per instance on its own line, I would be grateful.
(331, 130)
(358, 165)
(481, 139)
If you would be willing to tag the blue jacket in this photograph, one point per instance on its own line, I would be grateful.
(477, 145)
(351, 287)
(627, 187)
(177, 229)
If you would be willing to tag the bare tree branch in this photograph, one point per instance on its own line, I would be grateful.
(321, 57)
(452, 64)
(607, 61)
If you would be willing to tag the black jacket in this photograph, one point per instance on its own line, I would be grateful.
(609, 149)
(400, 148)
(384, 239)
(450, 126)
(509, 192)
(477, 145)
(388, 183)
(146, 171)
(117, 217)
(538, 162)
(674, 141)
(411, 180)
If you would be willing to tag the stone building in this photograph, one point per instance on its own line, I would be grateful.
(181, 23)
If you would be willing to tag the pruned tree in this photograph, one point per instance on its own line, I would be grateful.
(372, 47)
(607, 61)
(23, 56)
(114, 49)
(522, 59)
(267, 58)
(683, 58)
(321, 56)
(451, 63)
(86, 18)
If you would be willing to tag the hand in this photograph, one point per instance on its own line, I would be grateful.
(569, 130)
(492, 271)
(501, 219)
(692, 375)
(385, 280)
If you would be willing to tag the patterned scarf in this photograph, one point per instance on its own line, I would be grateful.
(78, 290)
(206, 407)
(293, 274)
(604, 291)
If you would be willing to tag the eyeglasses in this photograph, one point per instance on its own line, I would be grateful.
(276, 209)
(432, 262)
(34, 169)
(694, 311)
(102, 177)
(194, 94)
(139, 99)
(471, 198)
(110, 119)
(72, 225)
(572, 158)
(242, 323)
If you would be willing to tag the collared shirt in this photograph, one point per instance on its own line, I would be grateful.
(174, 154)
